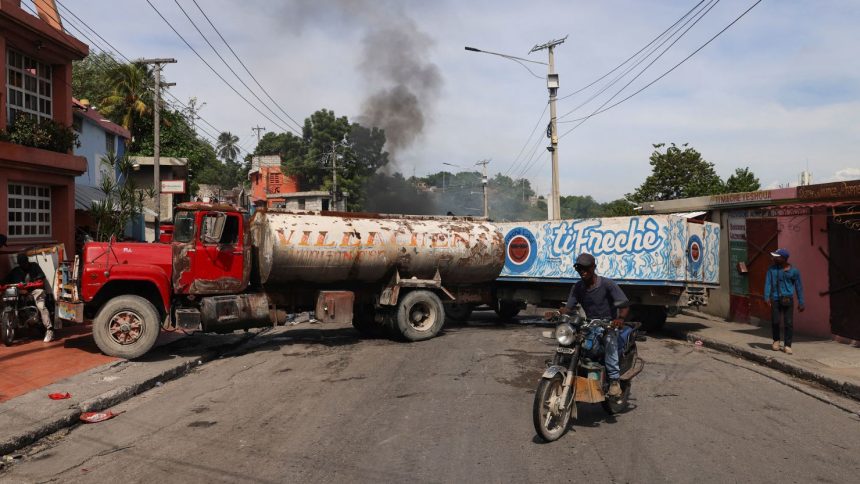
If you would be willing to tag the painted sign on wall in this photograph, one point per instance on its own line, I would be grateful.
(634, 249)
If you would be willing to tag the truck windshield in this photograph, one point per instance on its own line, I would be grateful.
(183, 227)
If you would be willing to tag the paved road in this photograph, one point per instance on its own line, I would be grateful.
(322, 405)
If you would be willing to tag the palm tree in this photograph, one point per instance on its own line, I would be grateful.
(228, 146)
(131, 95)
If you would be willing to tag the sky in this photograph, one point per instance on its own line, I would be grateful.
(778, 92)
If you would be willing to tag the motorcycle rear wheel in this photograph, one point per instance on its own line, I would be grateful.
(7, 329)
(550, 418)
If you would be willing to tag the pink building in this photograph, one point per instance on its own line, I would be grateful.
(820, 227)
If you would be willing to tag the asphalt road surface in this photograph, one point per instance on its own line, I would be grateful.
(319, 404)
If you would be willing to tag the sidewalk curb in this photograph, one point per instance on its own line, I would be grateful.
(846, 388)
(70, 417)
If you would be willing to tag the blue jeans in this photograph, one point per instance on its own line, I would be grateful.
(778, 312)
(610, 358)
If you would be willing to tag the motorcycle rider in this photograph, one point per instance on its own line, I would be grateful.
(598, 296)
(27, 272)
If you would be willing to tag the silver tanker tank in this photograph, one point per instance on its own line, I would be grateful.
(322, 248)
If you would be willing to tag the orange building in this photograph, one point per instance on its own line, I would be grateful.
(267, 179)
(37, 187)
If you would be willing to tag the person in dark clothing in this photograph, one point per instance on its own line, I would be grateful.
(781, 283)
(26, 272)
(597, 296)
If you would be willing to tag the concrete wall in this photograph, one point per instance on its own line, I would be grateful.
(802, 236)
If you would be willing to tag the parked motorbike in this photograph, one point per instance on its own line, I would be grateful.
(577, 373)
(19, 310)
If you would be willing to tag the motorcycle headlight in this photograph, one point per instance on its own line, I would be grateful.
(11, 292)
(564, 333)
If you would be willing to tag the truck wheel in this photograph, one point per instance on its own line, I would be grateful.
(653, 317)
(420, 315)
(126, 327)
(507, 310)
(458, 312)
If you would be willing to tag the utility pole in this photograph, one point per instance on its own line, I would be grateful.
(156, 151)
(484, 183)
(554, 206)
(334, 175)
(258, 128)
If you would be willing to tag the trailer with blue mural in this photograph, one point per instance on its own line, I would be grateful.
(662, 262)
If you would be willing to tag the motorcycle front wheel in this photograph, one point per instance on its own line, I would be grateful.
(550, 415)
(7, 329)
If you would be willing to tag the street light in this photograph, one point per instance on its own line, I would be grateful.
(553, 207)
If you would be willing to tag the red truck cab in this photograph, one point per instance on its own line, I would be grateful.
(132, 289)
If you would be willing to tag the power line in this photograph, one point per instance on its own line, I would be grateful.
(522, 150)
(263, 103)
(244, 66)
(711, 4)
(111, 58)
(603, 110)
(213, 69)
(531, 161)
(634, 55)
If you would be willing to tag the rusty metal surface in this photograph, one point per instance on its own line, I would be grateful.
(326, 248)
(335, 306)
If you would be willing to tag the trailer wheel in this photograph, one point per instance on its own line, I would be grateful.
(420, 315)
(507, 310)
(458, 312)
(126, 327)
(652, 317)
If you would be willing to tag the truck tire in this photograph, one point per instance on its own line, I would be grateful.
(458, 312)
(420, 315)
(507, 310)
(126, 327)
(652, 317)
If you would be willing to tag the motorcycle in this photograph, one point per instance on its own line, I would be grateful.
(577, 373)
(19, 310)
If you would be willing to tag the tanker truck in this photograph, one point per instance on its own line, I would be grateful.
(223, 271)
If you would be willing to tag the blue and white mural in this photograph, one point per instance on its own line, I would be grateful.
(658, 248)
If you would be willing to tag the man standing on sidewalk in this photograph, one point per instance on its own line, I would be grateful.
(781, 282)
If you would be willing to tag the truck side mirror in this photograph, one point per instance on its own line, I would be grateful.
(213, 227)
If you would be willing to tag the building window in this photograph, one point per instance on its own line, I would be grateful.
(78, 124)
(29, 210)
(28, 85)
(110, 143)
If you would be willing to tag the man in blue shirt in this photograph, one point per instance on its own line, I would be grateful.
(780, 284)
(597, 296)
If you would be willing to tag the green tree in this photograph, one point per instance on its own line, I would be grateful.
(90, 78)
(358, 152)
(742, 180)
(576, 206)
(677, 173)
(123, 200)
(228, 146)
(130, 98)
(618, 208)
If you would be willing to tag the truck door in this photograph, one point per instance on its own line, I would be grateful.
(216, 262)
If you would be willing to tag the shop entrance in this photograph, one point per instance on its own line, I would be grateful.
(844, 266)
(761, 241)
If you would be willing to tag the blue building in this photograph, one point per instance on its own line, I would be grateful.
(98, 136)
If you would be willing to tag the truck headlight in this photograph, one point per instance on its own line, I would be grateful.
(564, 333)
